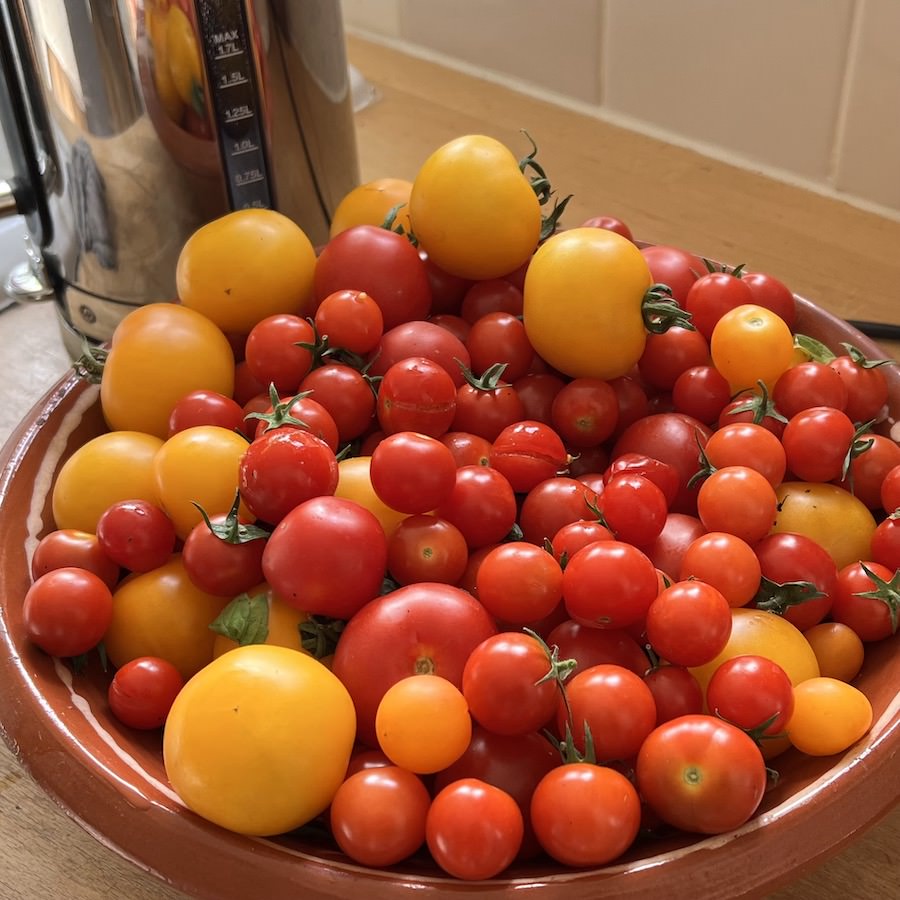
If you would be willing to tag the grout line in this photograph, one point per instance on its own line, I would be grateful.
(851, 58)
(629, 123)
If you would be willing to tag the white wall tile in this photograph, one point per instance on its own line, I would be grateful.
(555, 45)
(759, 78)
(868, 157)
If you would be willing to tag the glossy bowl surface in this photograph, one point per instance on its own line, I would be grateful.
(112, 780)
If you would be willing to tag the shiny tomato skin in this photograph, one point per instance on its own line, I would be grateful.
(274, 351)
(768, 291)
(872, 618)
(202, 407)
(519, 582)
(589, 646)
(347, 396)
(218, 566)
(71, 547)
(867, 388)
(142, 692)
(423, 627)
(675, 267)
(585, 815)
(701, 774)
(554, 503)
(66, 611)
(427, 548)
(136, 534)
(712, 295)
(422, 339)
(411, 472)
(609, 584)
(326, 556)
(528, 453)
(482, 505)
(416, 394)
(487, 411)
(671, 438)
(380, 262)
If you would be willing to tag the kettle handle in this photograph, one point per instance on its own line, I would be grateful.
(20, 113)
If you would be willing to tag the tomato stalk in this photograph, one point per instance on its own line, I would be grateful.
(319, 635)
(543, 190)
(231, 529)
(661, 311)
(778, 598)
(760, 405)
(489, 380)
(858, 446)
(91, 362)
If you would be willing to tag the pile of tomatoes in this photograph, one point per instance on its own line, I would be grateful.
(470, 533)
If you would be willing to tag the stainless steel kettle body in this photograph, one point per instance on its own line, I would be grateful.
(132, 123)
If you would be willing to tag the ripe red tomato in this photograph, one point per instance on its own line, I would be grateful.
(689, 623)
(611, 702)
(585, 815)
(701, 392)
(873, 618)
(350, 320)
(473, 829)
(380, 262)
(202, 407)
(519, 582)
(66, 611)
(806, 385)
(491, 295)
(751, 691)
(275, 353)
(609, 584)
(589, 646)
(136, 534)
(676, 692)
(668, 355)
(677, 268)
(421, 339)
(554, 503)
(412, 472)
(747, 444)
(867, 389)
(738, 500)
(575, 535)
(504, 682)
(416, 394)
(482, 505)
(487, 405)
(711, 296)
(327, 556)
(701, 774)
(816, 443)
(298, 411)
(70, 547)
(499, 337)
(634, 508)
(427, 548)
(378, 815)
(528, 453)
(467, 449)
(420, 628)
(346, 394)
(585, 412)
(768, 291)
(224, 556)
(142, 692)
(283, 468)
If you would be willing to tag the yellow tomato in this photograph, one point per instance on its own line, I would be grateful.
(111, 467)
(829, 515)
(473, 211)
(245, 266)
(829, 716)
(370, 203)
(749, 344)
(199, 465)
(354, 483)
(584, 292)
(282, 622)
(259, 740)
(760, 633)
(162, 613)
(185, 64)
(159, 353)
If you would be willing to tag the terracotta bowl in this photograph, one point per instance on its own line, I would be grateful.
(112, 779)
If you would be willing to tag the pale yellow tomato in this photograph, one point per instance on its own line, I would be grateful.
(354, 483)
(829, 716)
(199, 466)
(760, 633)
(114, 466)
(245, 266)
(259, 740)
(159, 353)
(473, 211)
(583, 303)
(829, 515)
(370, 204)
(162, 613)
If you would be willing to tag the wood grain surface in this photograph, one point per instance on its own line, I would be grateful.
(845, 259)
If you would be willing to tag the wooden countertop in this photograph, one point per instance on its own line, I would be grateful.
(844, 258)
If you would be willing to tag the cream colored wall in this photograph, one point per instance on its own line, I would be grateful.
(807, 91)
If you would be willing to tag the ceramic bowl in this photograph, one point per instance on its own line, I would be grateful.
(112, 780)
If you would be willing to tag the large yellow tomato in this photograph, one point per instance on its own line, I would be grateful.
(355, 483)
(583, 307)
(159, 353)
(473, 211)
(111, 467)
(259, 740)
(829, 515)
(162, 613)
(370, 203)
(245, 266)
(198, 465)
(761, 633)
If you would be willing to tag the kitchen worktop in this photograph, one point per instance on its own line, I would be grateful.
(842, 257)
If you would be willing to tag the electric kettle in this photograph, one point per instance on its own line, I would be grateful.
(131, 123)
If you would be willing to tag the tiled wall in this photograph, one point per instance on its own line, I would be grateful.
(805, 90)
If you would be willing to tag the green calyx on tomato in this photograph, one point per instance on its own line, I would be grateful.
(244, 620)
(760, 405)
(319, 635)
(89, 365)
(888, 592)
(231, 530)
(778, 598)
(489, 380)
(661, 311)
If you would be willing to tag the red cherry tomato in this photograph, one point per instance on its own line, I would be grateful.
(142, 692)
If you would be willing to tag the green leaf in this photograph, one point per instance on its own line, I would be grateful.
(245, 620)
(814, 349)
